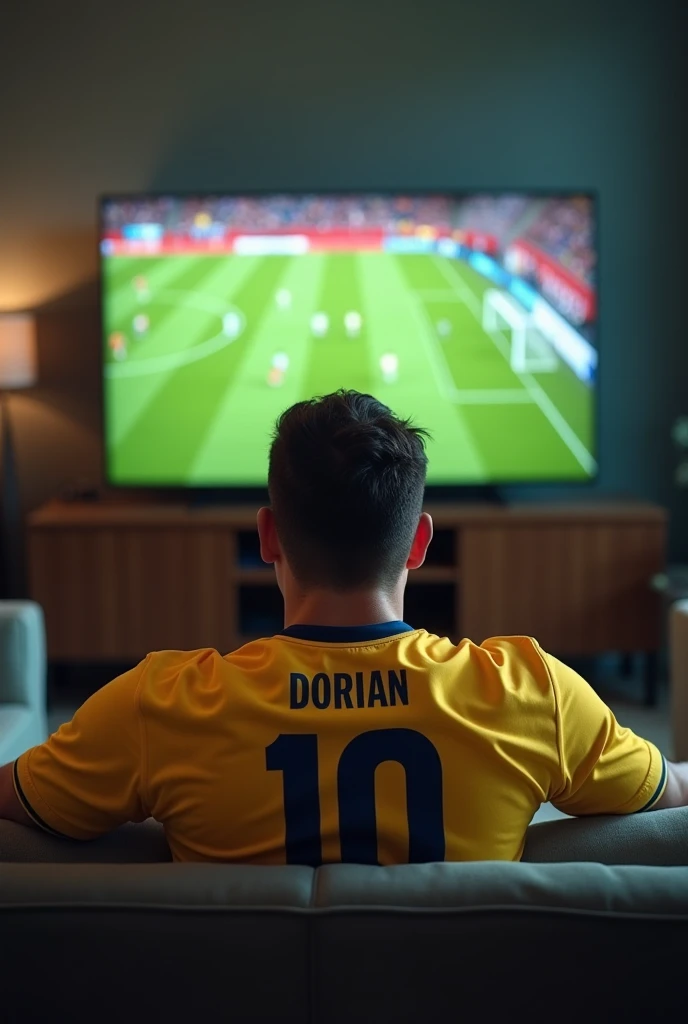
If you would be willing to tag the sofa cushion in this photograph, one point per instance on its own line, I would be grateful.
(486, 960)
(154, 942)
(581, 886)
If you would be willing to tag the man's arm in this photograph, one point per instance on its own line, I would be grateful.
(604, 768)
(676, 792)
(85, 779)
(10, 805)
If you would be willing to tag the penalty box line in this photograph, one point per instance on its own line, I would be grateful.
(539, 396)
(461, 396)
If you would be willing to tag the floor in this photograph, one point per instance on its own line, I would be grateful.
(623, 695)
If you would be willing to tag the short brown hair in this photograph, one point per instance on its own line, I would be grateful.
(346, 483)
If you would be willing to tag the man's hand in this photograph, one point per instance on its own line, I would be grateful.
(10, 805)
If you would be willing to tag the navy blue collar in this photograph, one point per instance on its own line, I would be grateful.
(346, 634)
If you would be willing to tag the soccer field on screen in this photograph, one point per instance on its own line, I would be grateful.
(190, 402)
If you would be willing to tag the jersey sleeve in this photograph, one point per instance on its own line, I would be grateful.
(88, 777)
(604, 768)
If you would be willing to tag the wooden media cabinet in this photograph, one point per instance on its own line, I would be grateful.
(118, 580)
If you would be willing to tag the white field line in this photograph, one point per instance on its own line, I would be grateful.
(459, 285)
(435, 354)
(170, 360)
(540, 397)
(173, 360)
(443, 376)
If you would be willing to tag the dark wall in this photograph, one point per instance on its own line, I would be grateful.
(133, 96)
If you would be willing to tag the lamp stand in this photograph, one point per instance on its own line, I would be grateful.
(9, 507)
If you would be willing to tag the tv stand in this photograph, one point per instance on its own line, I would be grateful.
(119, 580)
(473, 494)
(222, 497)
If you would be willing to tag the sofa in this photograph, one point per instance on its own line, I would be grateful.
(591, 926)
(23, 715)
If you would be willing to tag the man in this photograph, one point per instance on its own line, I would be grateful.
(350, 735)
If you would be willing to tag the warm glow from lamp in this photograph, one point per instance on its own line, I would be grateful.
(18, 364)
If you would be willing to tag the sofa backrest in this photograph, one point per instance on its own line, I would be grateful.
(345, 943)
(656, 838)
(133, 937)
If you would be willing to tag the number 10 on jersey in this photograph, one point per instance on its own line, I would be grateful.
(296, 756)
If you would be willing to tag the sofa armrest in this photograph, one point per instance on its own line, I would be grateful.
(130, 844)
(653, 838)
(678, 670)
(22, 655)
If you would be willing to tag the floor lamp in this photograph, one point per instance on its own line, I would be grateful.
(17, 370)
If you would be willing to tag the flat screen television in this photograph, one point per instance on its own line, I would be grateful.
(474, 314)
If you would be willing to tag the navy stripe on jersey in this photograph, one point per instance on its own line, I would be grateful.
(658, 792)
(29, 809)
(347, 634)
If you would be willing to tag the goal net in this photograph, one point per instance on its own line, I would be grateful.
(529, 351)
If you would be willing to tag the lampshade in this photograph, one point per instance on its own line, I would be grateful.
(17, 350)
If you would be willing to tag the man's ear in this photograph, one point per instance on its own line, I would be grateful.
(421, 542)
(270, 550)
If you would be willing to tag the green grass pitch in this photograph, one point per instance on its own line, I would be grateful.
(189, 405)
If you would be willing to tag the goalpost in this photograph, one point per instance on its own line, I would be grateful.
(529, 352)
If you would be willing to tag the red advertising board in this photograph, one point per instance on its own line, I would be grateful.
(339, 240)
(572, 297)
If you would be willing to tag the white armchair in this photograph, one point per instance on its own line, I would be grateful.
(23, 714)
(678, 647)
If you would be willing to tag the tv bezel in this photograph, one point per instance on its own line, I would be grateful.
(238, 493)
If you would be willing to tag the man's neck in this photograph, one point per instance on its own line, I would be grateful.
(343, 608)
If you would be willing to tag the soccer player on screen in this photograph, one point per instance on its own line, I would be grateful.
(141, 288)
(231, 324)
(351, 735)
(117, 343)
(353, 322)
(320, 324)
(389, 365)
(140, 324)
(279, 364)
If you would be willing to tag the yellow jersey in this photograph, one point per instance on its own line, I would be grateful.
(378, 744)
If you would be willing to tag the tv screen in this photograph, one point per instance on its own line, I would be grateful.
(474, 314)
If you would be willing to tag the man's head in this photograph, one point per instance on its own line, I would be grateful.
(346, 483)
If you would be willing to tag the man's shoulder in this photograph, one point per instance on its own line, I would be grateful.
(512, 646)
(495, 668)
(162, 669)
(496, 649)
(171, 658)
(519, 663)
(203, 660)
